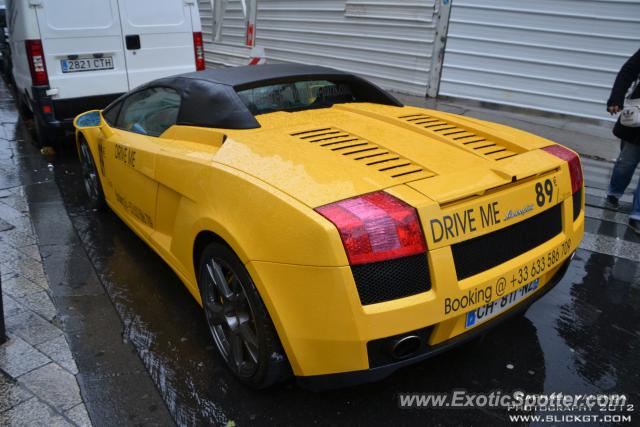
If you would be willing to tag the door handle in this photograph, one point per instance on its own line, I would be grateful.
(132, 41)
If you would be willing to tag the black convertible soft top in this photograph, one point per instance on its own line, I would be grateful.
(210, 99)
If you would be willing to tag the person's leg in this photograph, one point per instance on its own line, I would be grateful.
(634, 216)
(635, 211)
(624, 169)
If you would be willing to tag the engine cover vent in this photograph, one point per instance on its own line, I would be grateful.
(477, 144)
(384, 161)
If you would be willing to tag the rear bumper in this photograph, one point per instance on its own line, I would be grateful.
(328, 333)
(347, 379)
(63, 111)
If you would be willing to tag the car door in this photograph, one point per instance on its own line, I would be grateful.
(158, 38)
(131, 152)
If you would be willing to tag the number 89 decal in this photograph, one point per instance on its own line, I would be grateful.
(544, 192)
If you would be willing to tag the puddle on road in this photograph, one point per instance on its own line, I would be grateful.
(582, 337)
(160, 318)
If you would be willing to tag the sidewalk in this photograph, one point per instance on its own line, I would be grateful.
(38, 383)
(66, 362)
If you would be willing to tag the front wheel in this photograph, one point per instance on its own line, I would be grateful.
(238, 320)
(90, 177)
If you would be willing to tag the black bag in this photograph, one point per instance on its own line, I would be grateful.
(627, 134)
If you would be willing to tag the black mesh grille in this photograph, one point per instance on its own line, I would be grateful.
(393, 279)
(577, 204)
(69, 108)
(482, 253)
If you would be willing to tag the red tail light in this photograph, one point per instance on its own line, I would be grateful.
(37, 66)
(574, 164)
(376, 227)
(198, 48)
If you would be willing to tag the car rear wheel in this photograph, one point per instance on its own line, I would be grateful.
(90, 177)
(238, 320)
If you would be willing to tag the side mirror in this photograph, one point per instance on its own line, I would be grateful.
(92, 119)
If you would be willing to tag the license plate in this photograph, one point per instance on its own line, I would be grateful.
(486, 312)
(86, 64)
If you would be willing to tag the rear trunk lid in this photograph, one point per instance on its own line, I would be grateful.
(479, 156)
(158, 38)
(100, 47)
(320, 156)
(83, 49)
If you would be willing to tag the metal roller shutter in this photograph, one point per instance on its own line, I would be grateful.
(226, 53)
(558, 56)
(389, 42)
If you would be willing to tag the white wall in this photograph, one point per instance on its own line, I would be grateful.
(559, 56)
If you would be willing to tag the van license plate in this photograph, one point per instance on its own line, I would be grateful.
(86, 64)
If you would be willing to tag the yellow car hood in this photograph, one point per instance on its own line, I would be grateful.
(320, 156)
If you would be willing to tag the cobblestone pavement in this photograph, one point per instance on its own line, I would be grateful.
(38, 383)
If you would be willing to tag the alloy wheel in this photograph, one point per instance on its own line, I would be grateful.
(89, 173)
(230, 317)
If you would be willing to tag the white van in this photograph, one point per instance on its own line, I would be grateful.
(70, 56)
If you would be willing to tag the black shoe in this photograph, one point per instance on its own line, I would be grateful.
(634, 224)
(612, 201)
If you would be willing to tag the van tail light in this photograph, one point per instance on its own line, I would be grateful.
(198, 48)
(37, 66)
(574, 164)
(376, 227)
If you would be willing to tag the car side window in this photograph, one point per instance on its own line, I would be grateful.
(150, 111)
(110, 114)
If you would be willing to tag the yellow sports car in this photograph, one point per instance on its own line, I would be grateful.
(328, 231)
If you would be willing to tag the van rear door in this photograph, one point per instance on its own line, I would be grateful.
(82, 42)
(158, 38)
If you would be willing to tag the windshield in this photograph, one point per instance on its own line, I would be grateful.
(295, 96)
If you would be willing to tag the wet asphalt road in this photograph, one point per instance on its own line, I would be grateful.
(583, 337)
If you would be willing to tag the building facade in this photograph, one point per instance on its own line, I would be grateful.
(557, 56)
